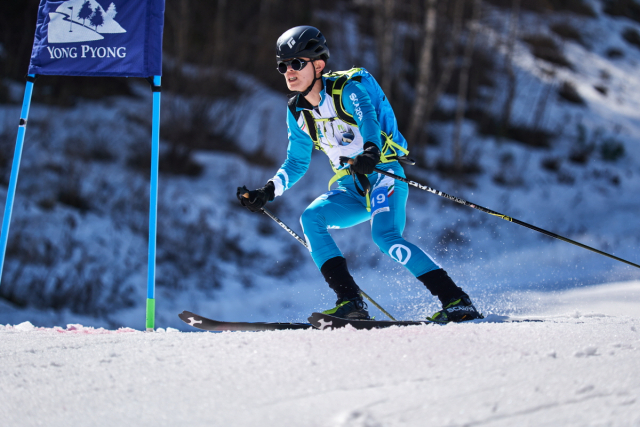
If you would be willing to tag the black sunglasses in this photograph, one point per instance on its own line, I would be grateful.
(297, 64)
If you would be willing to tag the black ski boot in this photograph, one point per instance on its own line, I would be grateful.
(354, 308)
(457, 310)
(350, 304)
(456, 304)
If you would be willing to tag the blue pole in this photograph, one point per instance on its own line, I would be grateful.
(153, 206)
(15, 168)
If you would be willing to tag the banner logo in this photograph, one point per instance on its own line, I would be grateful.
(77, 21)
(117, 38)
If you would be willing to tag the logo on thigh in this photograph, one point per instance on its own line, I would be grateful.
(400, 253)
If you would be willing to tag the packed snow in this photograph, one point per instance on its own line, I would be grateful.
(579, 367)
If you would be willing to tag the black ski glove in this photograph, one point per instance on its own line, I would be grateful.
(257, 198)
(366, 162)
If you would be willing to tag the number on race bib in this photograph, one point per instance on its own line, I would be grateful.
(379, 201)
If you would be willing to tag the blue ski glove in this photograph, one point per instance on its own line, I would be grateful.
(257, 198)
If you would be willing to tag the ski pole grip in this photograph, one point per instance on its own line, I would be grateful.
(345, 160)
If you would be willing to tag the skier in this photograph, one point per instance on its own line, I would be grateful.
(347, 116)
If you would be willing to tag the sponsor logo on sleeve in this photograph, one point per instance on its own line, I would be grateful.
(356, 104)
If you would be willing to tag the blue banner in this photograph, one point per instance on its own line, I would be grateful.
(121, 38)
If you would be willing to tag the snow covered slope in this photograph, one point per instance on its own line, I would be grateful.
(77, 250)
(571, 370)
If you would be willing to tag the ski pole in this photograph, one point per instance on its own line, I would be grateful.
(299, 239)
(499, 215)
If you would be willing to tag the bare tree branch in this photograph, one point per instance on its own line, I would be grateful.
(445, 76)
(385, 22)
(464, 83)
(511, 81)
(424, 76)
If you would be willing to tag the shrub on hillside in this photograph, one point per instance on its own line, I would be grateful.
(582, 148)
(627, 8)
(66, 91)
(551, 164)
(509, 174)
(545, 48)
(579, 7)
(567, 32)
(611, 150)
(569, 93)
(602, 89)
(614, 53)
(632, 36)
(489, 125)
(4, 93)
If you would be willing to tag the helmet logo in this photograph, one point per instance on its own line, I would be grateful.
(291, 42)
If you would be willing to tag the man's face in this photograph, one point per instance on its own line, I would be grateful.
(298, 81)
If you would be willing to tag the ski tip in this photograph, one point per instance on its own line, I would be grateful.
(185, 315)
(311, 318)
(315, 320)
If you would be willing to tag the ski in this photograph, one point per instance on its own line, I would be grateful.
(321, 321)
(325, 321)
(206, 324)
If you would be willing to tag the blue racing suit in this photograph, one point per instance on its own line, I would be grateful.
(372, 120)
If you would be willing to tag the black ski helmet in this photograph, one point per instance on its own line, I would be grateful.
(302, 42)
